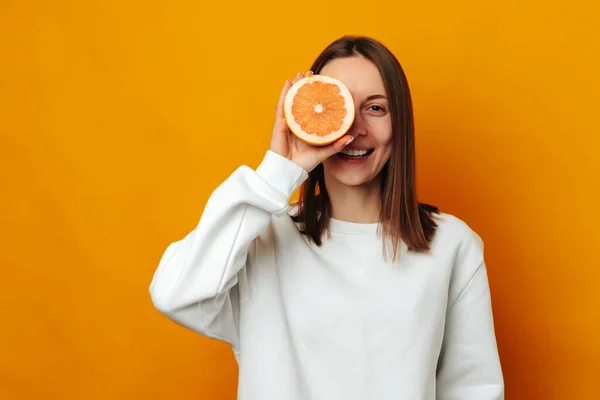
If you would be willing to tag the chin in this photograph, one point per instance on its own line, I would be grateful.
(348, 176)
(352, 180)
(349, 173)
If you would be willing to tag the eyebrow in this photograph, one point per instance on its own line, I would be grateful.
(375, 96)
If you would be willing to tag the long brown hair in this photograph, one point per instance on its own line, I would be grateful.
(402, 217)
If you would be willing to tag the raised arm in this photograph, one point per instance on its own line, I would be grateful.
(195, 275)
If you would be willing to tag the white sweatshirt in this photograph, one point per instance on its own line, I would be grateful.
(335, 322)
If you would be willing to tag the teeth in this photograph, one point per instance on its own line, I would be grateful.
(355, 153)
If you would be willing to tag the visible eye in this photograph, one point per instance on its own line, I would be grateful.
(376, 108)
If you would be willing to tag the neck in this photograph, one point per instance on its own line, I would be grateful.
(358, 204)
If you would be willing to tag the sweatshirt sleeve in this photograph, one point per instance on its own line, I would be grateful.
(469, 366)
(195, 281)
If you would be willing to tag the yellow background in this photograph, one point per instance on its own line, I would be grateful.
(117, 120)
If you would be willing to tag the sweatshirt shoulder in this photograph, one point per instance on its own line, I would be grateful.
(450, 224)
(456, 236)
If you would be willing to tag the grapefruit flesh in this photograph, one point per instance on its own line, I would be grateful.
(319, 109)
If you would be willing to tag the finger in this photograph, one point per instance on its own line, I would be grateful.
(280, 104)
(299, 76)
(280, 115)
(336, 146)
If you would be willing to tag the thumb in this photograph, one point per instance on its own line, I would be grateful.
(337, 146)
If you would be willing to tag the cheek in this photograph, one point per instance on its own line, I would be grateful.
(385, 154)
(382, 131)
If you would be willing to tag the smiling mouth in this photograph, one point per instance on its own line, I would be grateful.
(355, 153)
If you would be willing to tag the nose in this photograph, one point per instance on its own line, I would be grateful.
(358, 127)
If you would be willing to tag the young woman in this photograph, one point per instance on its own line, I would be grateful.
(357, 291)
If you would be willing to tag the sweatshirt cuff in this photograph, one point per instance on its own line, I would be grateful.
(283, 175)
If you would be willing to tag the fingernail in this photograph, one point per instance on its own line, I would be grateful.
(349, 141)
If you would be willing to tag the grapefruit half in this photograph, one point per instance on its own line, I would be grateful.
(319, 109)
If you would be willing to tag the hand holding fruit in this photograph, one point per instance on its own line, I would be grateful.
(285, 143)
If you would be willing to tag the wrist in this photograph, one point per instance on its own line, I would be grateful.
(307, 165)
(282, 173)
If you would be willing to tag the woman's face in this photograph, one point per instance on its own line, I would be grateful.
(363, 159)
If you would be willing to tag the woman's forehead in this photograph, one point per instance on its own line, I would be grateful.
(360, 75)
